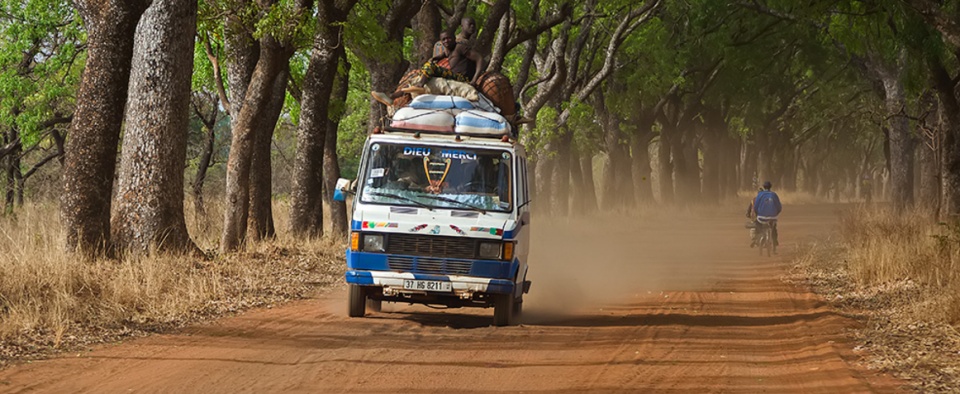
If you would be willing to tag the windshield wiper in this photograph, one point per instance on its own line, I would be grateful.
(402, 198)
(445, 199)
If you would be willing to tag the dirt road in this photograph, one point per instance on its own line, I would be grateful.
(634, 305)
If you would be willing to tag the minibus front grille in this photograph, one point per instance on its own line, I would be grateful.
(429, 265)
(431, 246)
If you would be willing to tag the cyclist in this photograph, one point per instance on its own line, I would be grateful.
(766, 207)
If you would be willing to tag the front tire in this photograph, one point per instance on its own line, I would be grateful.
(374, 305)
(356, 301)
(504, 310)
(766, 242)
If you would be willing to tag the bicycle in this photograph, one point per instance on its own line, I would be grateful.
(765, 238)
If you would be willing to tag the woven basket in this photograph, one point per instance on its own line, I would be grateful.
(497, 88)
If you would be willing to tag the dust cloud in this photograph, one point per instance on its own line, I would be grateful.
(583, 264)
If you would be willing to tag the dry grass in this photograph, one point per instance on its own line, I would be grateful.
(899, 276)
(50, 300)
(882, 247)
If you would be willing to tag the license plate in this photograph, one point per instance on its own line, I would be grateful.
(427, 285)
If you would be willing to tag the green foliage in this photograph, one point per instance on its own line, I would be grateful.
(794, 53)
(353, 124)
(298, 68)
(40, 64)
(365, 33)
(545, 130)
(286, 22)
(586, 131)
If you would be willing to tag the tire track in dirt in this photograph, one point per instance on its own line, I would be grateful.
(697, 313)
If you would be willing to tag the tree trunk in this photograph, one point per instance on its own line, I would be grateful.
(149, 210)
(901, 152)
(682, 168)
(764, 159)
(617, 178)
(642, 170)
(714, 128)
(577, 205)
(306, 213)
(729, 162)
(426, 25)
(260, 223)
(386, 63)
(666, 168)
(12, 166)
(95, 131)
(242, 52)
(561, 177)
(529, 51)
(589, 186)
(748, 165)
(788, 177)
(546, 164)
(611, 199)
(206, 156)
(19, 179)
(255, 105)
(710, 191)
(949, 110)
(500, 45)
(331, 161)
(383, 78)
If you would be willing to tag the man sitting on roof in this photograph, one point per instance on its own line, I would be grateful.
(461, 58)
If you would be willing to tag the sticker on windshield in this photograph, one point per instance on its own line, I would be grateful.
(458, 154)
(506, 155)
(411, 151)
(376, 173)
(375, 147)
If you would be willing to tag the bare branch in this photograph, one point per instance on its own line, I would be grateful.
(217, 74)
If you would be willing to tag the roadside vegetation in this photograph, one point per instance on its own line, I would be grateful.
(635, 105)
(900, 276)
(51, 301)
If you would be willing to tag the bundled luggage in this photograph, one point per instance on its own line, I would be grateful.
(436, 120)
(449, 106)
(480, 122)
(430, 101)
(497, 88)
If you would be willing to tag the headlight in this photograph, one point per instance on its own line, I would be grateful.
(373, 243)
(490, 250)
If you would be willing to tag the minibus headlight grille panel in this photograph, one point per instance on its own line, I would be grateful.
(432, 246)
(429, 265)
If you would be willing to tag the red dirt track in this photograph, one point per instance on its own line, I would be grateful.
(680, 305)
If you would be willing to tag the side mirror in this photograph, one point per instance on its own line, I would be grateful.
(341, 189)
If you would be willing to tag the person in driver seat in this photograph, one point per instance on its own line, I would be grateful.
(405, 176)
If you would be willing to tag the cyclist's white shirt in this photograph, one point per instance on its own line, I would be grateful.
(766, 218)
